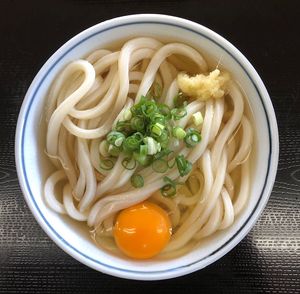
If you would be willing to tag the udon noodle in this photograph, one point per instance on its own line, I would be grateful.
(91, 95)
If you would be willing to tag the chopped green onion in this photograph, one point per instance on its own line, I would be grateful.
(142, 159)
(129, 163)
(179, 99)
(157, 129)
(113, 150)
(155, 91)
(138, 136)
(115, 138)
(197, 118)
(162, 153)
(143, 149)
(160, 166)
(169, 189)
(127, 115)
(123, 126)
(106, 164)
(183, 165)
(153, 146)
(171, 163)
(178, 113)
(179, 133)
(133, 142)
(137, 123)
(148, 108)
(163, 139)
(164, 109)
(158, 118)
(103, 148)
(192, 138)
(119, 142)
(137, 181)
(147, 131)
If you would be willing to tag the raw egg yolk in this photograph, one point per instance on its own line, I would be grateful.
(142, 231)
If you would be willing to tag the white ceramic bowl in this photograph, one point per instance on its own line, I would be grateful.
(32, 165)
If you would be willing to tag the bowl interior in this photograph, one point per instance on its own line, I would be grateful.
(34, 166)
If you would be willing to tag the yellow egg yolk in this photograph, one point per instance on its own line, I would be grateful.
(142, 231)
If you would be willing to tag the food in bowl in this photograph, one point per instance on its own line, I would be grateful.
(151, 147)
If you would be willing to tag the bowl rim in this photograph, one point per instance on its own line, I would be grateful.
(270, 118)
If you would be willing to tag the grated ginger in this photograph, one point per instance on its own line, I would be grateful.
(203, 87)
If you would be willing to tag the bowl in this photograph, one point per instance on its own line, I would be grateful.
(33, 166)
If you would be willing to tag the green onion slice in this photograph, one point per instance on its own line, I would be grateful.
(137, 181)
(113, 150)
(142, 159)
(169, 189)
(183, 165)
(179, 99)
(129, 163)
(178, 113)
(143, 150)
(179, 133)
(149, 108)
(137, 123)
(106, 164)
(160, 166)
(163, 153)
(192, 138)
(165, 110)
(157, 129)
(123, 126)
(158, 118)
(115, 138)
(133, 142)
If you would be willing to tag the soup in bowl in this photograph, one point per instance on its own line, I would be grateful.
(147, 147)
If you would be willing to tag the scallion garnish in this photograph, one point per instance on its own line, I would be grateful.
(183, 165)
(137, 181)
(179, 133)
(114, 150)
(142, 159)
(169, 189)
(129, 163)
(148, 108)
(115, 138)
(127, 115)
(137, 123)
(106, 164)
(157, 129)
(179, 99)
(146, 133)
(133, 142)
(197, 118)
(153, 146)
(143, 149)
(192, 138)
(156, 90)
(160, 165)
(178, 113)
(158, 118)
(163, 153)
(123, 126)
(165, 110)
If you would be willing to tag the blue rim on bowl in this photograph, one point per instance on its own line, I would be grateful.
(32, 94)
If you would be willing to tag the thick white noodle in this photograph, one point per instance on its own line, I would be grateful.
(62, 110)
(49, 191)
(72, 211)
